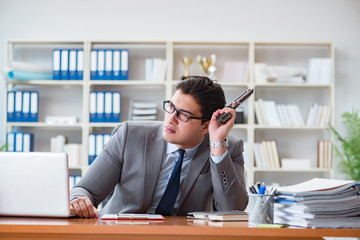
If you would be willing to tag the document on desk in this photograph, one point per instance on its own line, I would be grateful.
(220, 215)
(132, 216)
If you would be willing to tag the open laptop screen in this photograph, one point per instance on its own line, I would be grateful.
(34, 184)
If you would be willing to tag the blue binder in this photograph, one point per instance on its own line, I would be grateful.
(25, 113)
(100, 106)
(116, 64)
(92, 146)
(124, 64)
(11, 106)
(100, 64)
(56, 59)
(64, 65)
(34, 106)
(108, 107)
(10, 141)
(18, 106)
(93, 64)
(108, 64)
(19, 142)
(27, 142)
(80, 64)
(116, 103)
(72, 64)
(92, 107)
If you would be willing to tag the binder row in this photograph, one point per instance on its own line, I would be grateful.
(19, 142)
(22, 106)
(68, 64)
(105, 106)
(109, 64)
(96, 143)
(73, 180)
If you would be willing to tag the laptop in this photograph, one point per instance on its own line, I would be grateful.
(34, 184)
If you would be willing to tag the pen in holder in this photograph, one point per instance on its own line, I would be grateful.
(261, 209)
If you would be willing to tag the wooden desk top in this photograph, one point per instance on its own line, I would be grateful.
(171, 228)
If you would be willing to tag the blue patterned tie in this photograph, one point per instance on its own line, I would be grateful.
(167, 201)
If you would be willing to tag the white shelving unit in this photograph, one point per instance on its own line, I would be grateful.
(72, 97)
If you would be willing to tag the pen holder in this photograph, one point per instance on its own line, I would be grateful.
(261, 209)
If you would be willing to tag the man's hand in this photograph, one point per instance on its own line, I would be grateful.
(83, 208)
(218, 132)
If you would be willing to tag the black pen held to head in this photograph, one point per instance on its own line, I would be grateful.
(223, 118)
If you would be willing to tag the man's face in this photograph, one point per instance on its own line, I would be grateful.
(184, 134)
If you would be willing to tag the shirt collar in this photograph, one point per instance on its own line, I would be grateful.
(170, 148)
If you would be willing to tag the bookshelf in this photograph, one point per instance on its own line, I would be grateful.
(72, 96)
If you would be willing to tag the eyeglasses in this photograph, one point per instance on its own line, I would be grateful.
(180, 114)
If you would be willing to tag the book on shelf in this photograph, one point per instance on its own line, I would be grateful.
(266, 154)
(235, 71)
(155, 69)
(325, 155)
(319, 71)
(319, 202)
(220, 215)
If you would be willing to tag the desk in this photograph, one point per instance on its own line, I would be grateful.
(171, 228)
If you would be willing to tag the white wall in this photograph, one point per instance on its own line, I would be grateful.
(337, 21)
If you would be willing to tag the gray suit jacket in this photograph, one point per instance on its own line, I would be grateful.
(130, 165)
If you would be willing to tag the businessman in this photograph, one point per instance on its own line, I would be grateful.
(188, 162)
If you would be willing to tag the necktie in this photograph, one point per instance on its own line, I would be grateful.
(167, 201)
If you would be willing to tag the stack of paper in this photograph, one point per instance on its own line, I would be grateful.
(319, 203)
(141, 110)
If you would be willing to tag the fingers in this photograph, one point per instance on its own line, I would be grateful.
(83, 207)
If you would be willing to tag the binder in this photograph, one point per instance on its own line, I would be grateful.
(92, 110)
(99, 143)
(56, 58)
(108, 107)
(19, 143)
(116, 64)
(100, 104)
(72, 64)
(92, 144)
(124, 64)
(27, 142)
(64, 65)
(18, 106)
(100, 64)
(108, 64)
(106, 138)
(11, 106)
(93, 64)
(10, 140)
(25, 114)
(80, 64)
(116, 104)
(34, 106)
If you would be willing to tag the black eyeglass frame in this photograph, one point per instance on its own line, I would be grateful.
(178, 110)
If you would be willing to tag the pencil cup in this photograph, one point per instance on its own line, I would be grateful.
(261, 209)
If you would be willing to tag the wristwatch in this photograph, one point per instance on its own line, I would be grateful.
(224, 143)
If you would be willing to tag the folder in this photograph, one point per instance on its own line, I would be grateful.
(11, 106)
(124, 64)
(100, 64)
(18, 106)
(108, 107)
(27, 142)
(116, 104)
(34, 106)
(106, 138)
(56, 58)
(108, 64)
(80, 64)
(10, 140)
(72, 64)
(64, 65)
(100, 104)
(92, 144)
(25, 114)
(116, 64)
(19, 144)
(93, 64)
(92, 110)
(99, 143)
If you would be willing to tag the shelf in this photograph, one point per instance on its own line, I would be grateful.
(42, 125)
(126, 82)
(290, 170)
(47, 82)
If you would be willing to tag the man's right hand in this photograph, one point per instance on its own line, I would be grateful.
(83, 208)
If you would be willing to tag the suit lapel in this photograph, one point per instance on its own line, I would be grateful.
(198, 162)
(154, 152)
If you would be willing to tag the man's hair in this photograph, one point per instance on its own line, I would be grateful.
(207, 93)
